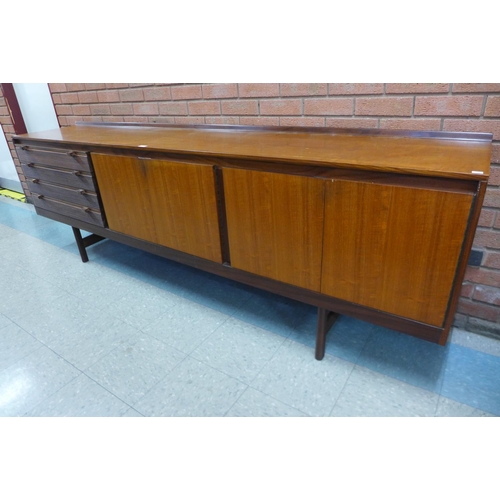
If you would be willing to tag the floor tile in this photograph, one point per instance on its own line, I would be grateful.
(91, 282)
(113, 255)
(9, 271)
(27, 291)
(132, 413)
(271, 312)
(216, 292)
(151, 269)
(15, 343)
(475, 341)
(5, 233)
(472, 378)
(345, 340)
(186, 325)
(253, 403)
(294, 377)
(22, 220)
(134, 367)
(192, 389)
(53, 233)
(67, 315)
(31, 380)
(82, 397)
(4, 321)
(96, 287)
(42, 259)
(141, 305)
(238, 349)
(371, 394)
(450, 408)
(409, 359)
(95, 339)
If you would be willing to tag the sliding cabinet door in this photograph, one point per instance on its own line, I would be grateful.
(393, 248)
(170, 203)
(275, 225)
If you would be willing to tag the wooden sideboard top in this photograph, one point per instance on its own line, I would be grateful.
(441, 154)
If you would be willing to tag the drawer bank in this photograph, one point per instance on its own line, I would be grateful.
(373, 224)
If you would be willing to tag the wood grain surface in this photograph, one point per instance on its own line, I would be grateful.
(393, 248)
(275, 225)
(442, 155)
(169, 203)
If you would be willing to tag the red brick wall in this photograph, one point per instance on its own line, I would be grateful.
(424, 106)
(8, 130)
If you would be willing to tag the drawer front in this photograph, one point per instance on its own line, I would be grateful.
(72, 178)
(85, 214)
(77, 196)
(73, 160)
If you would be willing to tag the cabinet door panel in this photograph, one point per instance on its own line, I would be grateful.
(166, 202)
(393, 248)
(184, 195)
(123, 186)
(275, 225)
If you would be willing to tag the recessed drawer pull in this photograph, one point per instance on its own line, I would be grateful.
(54, 158)
(77, 172)
(82, 191)
(69, 209)
(31, 165)
(35, 181)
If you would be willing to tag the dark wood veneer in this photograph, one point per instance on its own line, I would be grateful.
(64, 193)
(73, 160)
(464, 257)
(311, 130)
(72, 178)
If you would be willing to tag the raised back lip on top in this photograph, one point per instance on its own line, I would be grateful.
(425, 134)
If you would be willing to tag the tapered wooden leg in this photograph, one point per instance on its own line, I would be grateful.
(83, 243)
(80, 244)
(326, 319)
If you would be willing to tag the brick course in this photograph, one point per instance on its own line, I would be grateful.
(416, 88)
(449, 105)
(281, 107)
(303, 89)
(334, 106)
(487, 217)
(187, 92)
(492, 106)
(259, 89)
(384, 106)
(240, 107)
(355, 88)
(467, 107)
(220, 91)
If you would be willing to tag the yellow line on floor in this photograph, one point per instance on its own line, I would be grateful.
(13, 194)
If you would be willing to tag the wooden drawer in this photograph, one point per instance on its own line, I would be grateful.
(73, 195)
(73, 160)
(72, 178)
(85, 214)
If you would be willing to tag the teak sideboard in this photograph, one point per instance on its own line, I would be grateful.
(372, 224)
